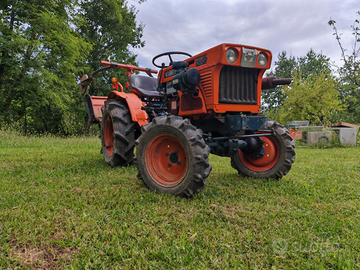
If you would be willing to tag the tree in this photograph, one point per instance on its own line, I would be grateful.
(284, 67)
(45, 46)
(111, 27)
(38, 52)
(312, 98)
(311, 63)
(349, 74)
(351, 62)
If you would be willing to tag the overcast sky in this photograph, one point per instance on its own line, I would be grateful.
(293, 26)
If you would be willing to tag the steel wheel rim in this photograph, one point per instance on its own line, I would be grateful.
(266, 162)
(166, 160)
(109, 136)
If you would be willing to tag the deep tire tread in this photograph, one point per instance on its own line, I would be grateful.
(115, 104)
(201, 168)
(121, 137)
(285, 161)
(130, 129)
(124, 133)
(118, 118)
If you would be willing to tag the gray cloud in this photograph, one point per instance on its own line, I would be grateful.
(281, 25)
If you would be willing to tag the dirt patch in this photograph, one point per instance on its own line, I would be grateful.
(48, 256)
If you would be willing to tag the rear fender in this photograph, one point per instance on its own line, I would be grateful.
(135, 104)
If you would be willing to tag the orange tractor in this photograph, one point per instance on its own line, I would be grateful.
(207, 103)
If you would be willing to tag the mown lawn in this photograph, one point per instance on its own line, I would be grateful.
(62, 207)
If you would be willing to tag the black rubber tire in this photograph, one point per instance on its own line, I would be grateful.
(286, 156)
(193, 151)
(117, 133)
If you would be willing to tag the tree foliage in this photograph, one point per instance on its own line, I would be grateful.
(312, 98)
(349, 74)
(298, 102)
(37, 57)
(46, 45)
(285, 66)
(111, 27)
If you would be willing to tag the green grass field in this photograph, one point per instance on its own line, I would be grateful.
(62, 207)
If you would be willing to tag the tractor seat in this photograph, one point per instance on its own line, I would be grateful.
(146, 86)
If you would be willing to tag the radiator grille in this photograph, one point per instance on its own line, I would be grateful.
(238, 85)
(206, 83)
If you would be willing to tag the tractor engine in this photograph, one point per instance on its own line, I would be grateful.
(186, 80)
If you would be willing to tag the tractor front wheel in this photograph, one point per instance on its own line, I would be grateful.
(172, 156)
(117, 133)
(278, 157)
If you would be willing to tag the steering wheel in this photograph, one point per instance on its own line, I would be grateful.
(168, 54)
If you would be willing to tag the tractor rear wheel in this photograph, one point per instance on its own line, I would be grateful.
(277, 160)
(172, 156)
(117, 133)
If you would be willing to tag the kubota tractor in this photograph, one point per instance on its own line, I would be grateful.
(207, 103)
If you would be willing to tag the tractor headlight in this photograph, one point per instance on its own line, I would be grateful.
(231, 56)
(262, 59)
